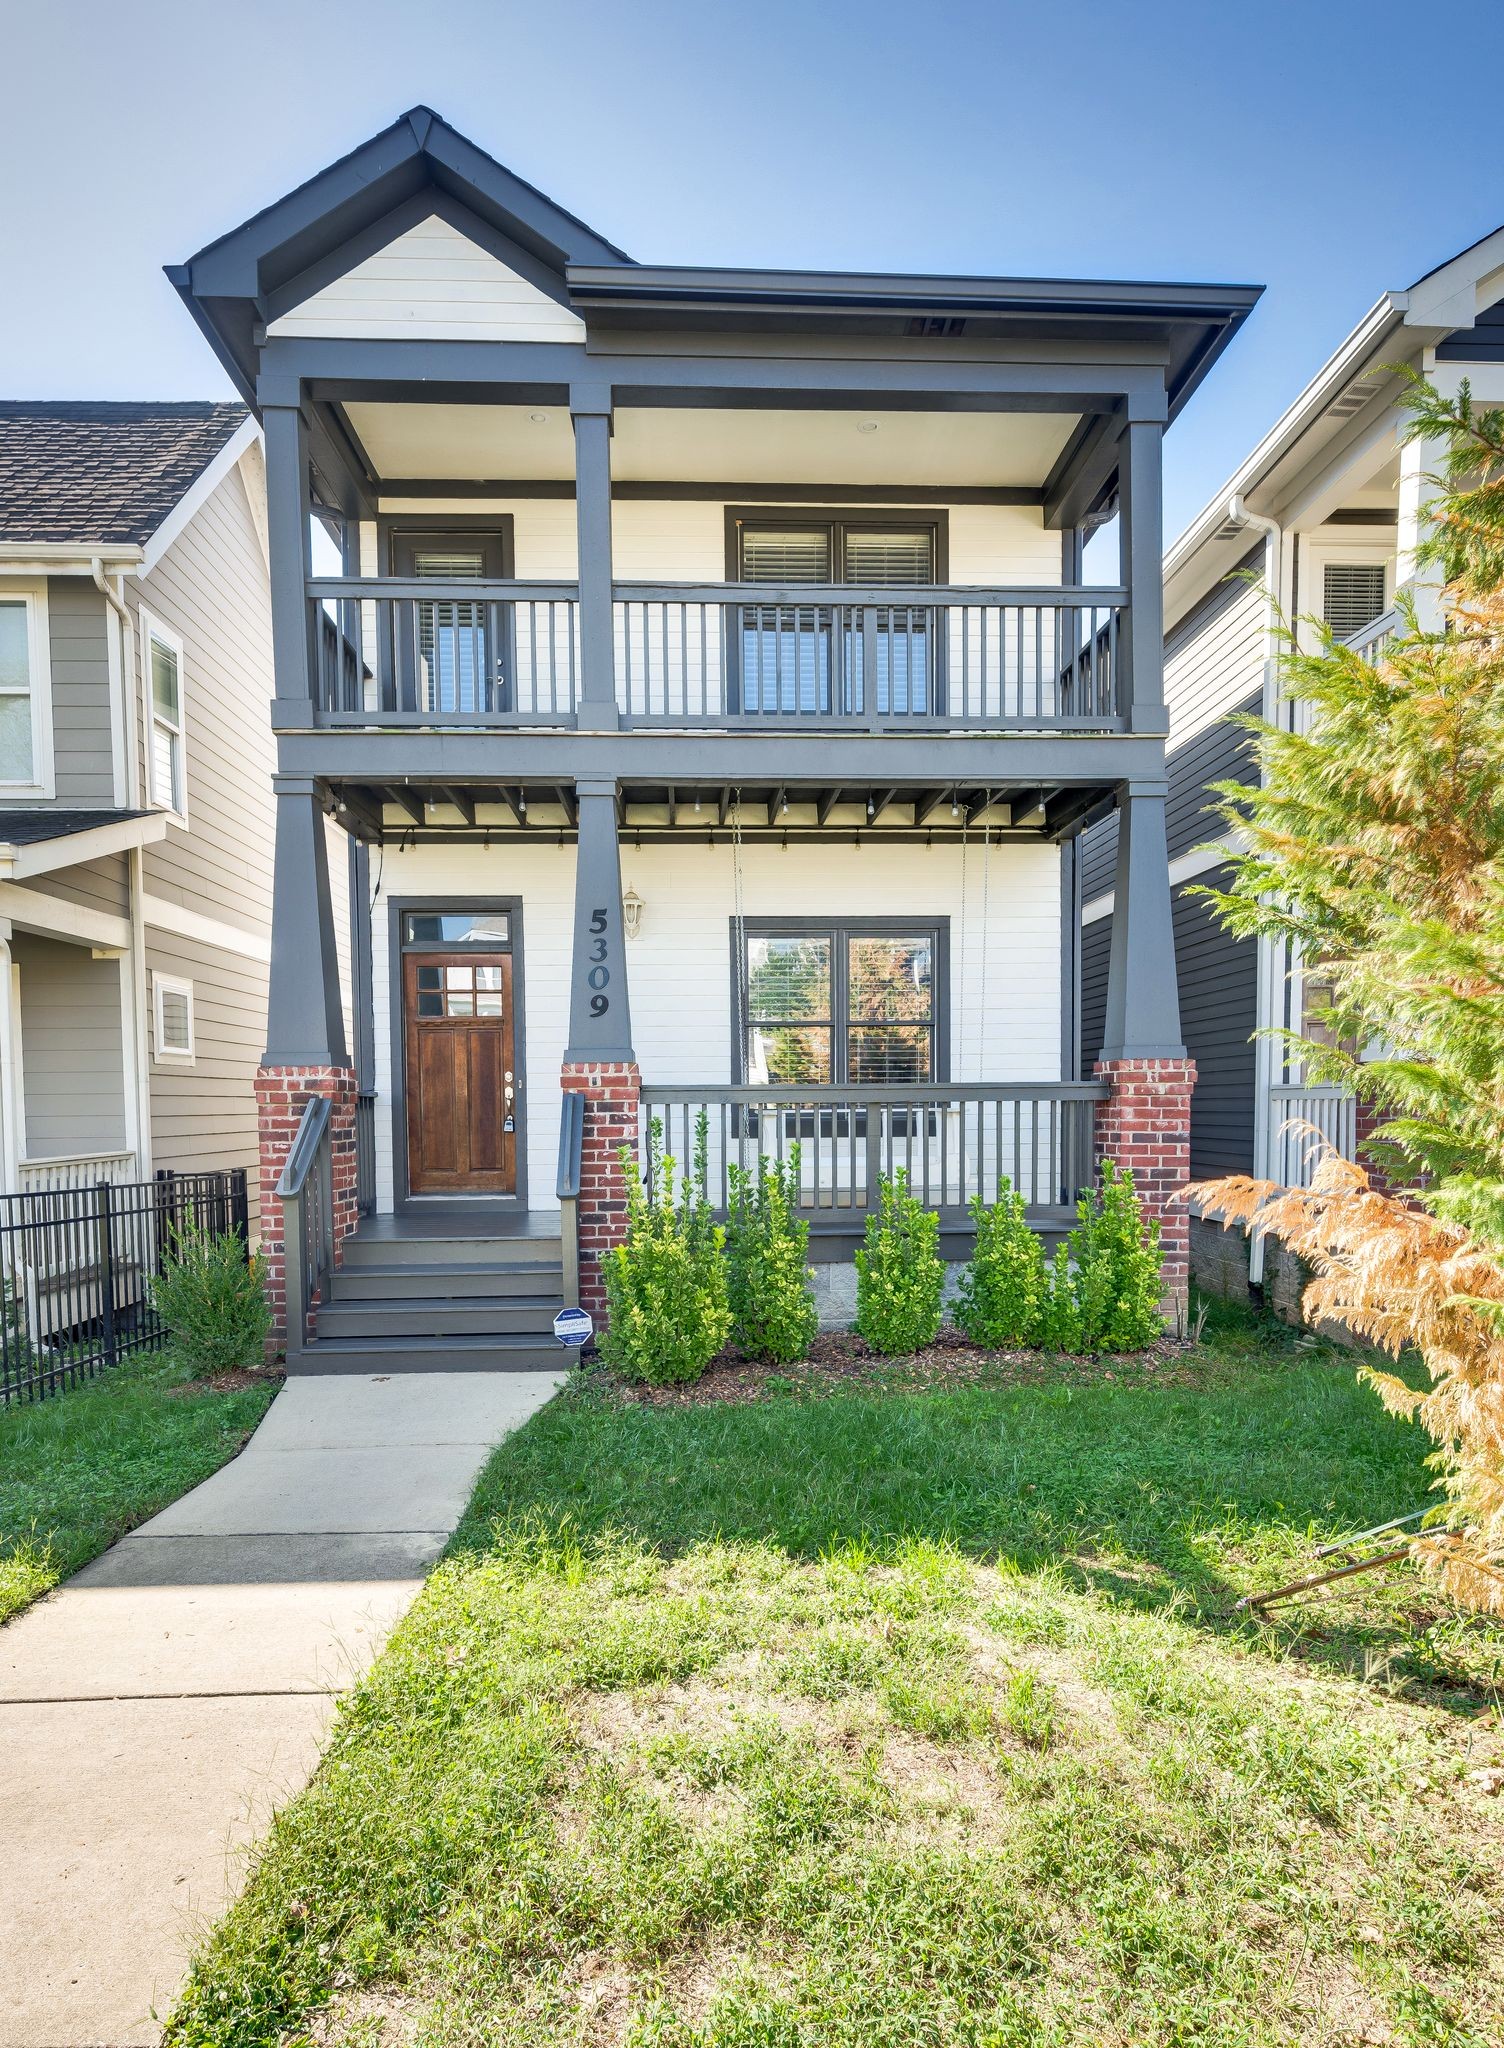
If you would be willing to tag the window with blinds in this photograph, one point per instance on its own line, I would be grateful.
(801, 657)
(452, 636)
(833, 551)
(1352, 596)
(844, 1004)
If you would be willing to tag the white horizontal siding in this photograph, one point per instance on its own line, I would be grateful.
(683, 540)
(1004, 1028)
(432, 284)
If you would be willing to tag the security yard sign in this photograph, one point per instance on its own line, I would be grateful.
(573, 1326)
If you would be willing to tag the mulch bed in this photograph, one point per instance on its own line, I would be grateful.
(839, 1359)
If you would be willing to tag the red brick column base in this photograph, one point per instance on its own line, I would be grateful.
(613, 1097)
(280, 1095)
(1145, 1124)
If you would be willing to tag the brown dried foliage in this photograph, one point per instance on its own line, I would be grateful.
(1400, 1280)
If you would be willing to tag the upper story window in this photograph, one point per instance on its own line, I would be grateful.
(164, 664)
(813, 657)
(844, 1004)
(174, 1017)
(1353, 595)
(838, 551)
(25, 749)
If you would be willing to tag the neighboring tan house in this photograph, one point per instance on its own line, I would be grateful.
(135, 789)
(711, 689)
(1320, 521)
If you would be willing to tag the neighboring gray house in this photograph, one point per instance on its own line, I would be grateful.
(1320, 520)
(711, 689)
(135, 789)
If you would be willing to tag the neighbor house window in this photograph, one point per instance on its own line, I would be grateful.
(840, 1004)
(164, 661)
(174, 1017)
(1352, 596)
(23, 690)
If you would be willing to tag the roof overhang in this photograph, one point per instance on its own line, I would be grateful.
(18, 861)
(67, 557)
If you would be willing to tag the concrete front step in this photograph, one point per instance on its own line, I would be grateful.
(404, 1282)
(441, 1316)
(516, 1353)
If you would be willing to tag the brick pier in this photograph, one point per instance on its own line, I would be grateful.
(612, 1093)
(280, 1095)
(1145, 1124)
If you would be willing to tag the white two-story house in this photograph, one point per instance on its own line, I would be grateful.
(707, 680)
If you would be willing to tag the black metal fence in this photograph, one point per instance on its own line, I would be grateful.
(76, 1270)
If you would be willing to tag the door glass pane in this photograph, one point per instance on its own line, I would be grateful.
(789, 977)
(457, 1005)
(488, 1006)
(15, 739)
(788, 1054)
(430, 1003)
(15, 656)
(786, 648)
(459, 977)
(485, 928)
(428, 977)
(488, 977)
(889, 1055)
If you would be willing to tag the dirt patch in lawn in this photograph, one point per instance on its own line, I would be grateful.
(240, 1381)
(840, 1360)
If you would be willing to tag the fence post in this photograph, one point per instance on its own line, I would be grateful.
(240, 1209)
(104, 1226)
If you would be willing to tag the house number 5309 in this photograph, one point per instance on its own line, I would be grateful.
(599, 975)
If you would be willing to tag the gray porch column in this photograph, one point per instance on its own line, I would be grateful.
(305, 1019)
(591, 413)
(1141, 555)
(1143, 1008)
(288, 510)
(600, 1021)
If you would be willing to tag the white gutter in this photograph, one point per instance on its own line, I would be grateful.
(1264, 1048)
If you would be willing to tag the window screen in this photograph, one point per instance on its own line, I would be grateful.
(1352, 596)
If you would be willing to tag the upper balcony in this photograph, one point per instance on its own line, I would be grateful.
(392, 652)
(432, 343)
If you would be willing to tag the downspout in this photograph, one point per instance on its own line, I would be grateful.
(136, 1051)
(1264, 1048)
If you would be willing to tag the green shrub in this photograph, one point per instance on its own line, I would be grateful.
(1116, 1253)
(1002, 1289)
(900, 1276)
(767, 1263)
(212, 1299)
(666, 1299)
(1059, 1326)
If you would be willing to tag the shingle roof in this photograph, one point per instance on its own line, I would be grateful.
(77, 470)
(27, 828)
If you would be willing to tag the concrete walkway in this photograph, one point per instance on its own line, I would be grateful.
(158, 1708)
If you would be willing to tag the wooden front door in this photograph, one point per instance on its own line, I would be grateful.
(461, 1066)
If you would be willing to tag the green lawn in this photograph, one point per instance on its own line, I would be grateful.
(902, 1719)
(80, 1469)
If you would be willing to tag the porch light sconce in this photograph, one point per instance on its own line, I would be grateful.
(631, 913)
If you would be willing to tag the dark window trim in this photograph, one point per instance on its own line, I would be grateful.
(934, 520)
(403, 1200)
(389, 525)
(937, 929)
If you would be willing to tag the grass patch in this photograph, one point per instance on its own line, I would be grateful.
(896, 1718)
(79, 1470)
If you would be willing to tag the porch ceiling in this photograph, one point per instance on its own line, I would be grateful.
(484, 812)
(473, 443)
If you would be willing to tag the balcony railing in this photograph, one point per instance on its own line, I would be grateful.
(954, 1140)
(810, 657)
(1301, 1116)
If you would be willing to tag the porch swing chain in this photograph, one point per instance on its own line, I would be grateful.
(965, 930)
(986, 930)
(739, 917)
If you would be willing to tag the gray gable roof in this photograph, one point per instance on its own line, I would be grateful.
(87, 471)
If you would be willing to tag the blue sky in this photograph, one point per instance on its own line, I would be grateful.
(1161, 139)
